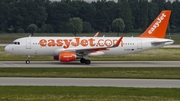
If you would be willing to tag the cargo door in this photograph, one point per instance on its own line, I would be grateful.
(139, 44)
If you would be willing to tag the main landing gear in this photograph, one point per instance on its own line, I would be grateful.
(28, 60)
(86, 61)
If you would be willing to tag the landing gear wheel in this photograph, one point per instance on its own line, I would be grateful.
(82, 60)
(28, 59)
(27, 62)
(87, 62)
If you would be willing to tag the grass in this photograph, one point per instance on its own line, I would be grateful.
(58, 93)
(161, 54)
(140, 73)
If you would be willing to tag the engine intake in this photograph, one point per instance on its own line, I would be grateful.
(66, 56)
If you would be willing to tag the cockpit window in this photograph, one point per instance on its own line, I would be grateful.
(16, 43)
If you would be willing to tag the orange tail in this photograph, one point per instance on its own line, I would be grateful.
(158, 27)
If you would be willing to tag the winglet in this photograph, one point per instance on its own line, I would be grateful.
(96, 35)
(158, 27)
(118, 42)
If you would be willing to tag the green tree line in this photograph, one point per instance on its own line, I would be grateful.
(55, 17)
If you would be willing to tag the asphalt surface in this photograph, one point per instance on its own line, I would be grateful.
(3, 44)
(142, 83)
(46, 64)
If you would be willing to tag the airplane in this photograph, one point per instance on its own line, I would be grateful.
(68, 49)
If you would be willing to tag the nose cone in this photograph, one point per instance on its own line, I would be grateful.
(7, 49)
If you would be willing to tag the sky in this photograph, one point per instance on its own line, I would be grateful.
(107, 0)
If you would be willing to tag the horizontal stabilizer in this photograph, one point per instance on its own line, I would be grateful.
(166, 42)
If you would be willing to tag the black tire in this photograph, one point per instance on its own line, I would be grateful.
(87, 62)
(82, 60)
(27, 62)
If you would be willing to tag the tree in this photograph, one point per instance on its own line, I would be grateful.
(153, 12)
(25, 12)
(5, 15)
(135, 8)
(11, 29)
(20, 30)
(58, 16)
(76, 25)
(87, 27)
(175, 21)
(160, 4)
(144, 14)
(118, 25)
(32, 28)
(124, 12)
(101, 19)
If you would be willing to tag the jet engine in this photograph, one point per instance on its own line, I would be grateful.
(66, 56)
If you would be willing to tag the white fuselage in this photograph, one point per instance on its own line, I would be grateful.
(53, 45)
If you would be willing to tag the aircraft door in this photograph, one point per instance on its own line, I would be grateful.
(28, 44)
(139, 44)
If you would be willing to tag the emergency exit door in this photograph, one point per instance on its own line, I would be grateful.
(28, 44)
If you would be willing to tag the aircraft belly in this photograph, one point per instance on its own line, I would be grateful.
(36, 51)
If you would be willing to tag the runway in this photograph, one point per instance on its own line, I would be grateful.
(3, 44)
(57, 64)
(142, 83)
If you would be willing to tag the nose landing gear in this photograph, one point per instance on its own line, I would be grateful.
(28, 59)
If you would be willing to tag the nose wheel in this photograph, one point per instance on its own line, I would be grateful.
(28, 59)
(86, 61)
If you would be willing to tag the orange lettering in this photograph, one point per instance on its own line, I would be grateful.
(91, 42)
(75, 43)
(108, 42)
(101, 43)
(43, 42)
(84, 42)
(51, 42)
(59, 42)
(67, 43)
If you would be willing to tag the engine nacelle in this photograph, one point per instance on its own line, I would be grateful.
(66, 56)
